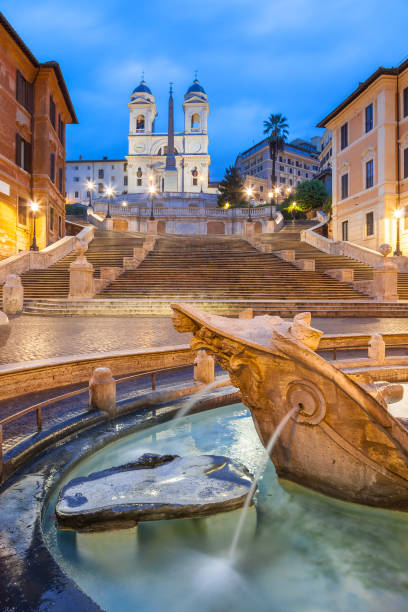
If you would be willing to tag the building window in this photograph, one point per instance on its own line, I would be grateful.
(344, 186)
(282, 168)
(112, 179)
(406, 163)
(100, 187)
(369, 174)
(140, 123)
(61, 130)
(405, 101)
(370, 224)
(139, 182)
(369, 118)
(195, 123)
(76, 179)
(282, 179)
(59, 226)
(125, 167)
(51, 219)
(125, 180)
(23, 153)
(100, 173)
(52, 167)
(22, 211)
(195, 181)
(76, 194)
(61, 180)
(24, 92)
(344, 231)
(261, 188)
(344, 136)
(53, 112)
(88, 194)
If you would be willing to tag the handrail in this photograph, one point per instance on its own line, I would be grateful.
(38, 407)
(359, 347)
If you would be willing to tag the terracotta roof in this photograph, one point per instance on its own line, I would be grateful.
(381, 71)
(54, 65)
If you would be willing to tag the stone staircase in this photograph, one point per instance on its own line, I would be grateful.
(106, 249)
(222, 274)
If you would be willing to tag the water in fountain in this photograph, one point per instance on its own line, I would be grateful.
(274, 437)
(192, 401)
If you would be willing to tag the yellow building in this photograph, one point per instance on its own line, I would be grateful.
(370, 160)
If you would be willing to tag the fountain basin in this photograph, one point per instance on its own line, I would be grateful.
(154, 487)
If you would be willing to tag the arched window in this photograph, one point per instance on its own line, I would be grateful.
(140, 123)
(195, 122)
(163, 151)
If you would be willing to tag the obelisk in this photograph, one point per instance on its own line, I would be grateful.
(170, 173)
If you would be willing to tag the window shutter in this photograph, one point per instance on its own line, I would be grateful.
(18, 150)
(27, 157)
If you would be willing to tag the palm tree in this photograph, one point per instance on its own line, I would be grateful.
(277, 130)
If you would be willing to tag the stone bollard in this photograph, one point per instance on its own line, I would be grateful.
(102, 391)
(376, 349)
(204, 367)
(81, 281)
(287, 255)
(13, 295)
(248, 313)
(249, 229)
(385, 277)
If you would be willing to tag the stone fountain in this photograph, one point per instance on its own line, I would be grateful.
(341, 441)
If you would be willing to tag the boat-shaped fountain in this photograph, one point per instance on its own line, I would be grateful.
(341, 440)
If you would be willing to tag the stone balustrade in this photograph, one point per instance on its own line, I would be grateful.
(39, 260)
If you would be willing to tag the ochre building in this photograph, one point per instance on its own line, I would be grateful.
(370, 160)
(34, 109)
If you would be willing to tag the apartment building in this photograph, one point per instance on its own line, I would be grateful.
(370, 160)
(35, 107)
(101, 173)
(296, 163)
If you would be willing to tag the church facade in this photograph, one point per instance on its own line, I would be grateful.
(175, 163)
(149, 151)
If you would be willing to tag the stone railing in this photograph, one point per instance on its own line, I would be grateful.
(39, 260)
(96, 220)
(340, 247)
(188, 211)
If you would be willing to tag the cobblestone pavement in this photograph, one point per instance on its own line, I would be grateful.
(355, 325)
(30, 337)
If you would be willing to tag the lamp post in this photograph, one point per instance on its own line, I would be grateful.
(90, 185)
(109, 193)
(201, 180)
(152, 190)
(34, 209)
(293, 206)
(124, 204)
(226, 205)
(249, 194)
(398, 214)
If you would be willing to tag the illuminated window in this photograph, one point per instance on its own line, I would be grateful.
(344, 231)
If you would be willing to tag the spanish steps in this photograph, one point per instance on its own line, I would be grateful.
(212, 270)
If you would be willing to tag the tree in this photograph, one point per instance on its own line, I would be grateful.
(277, 131)
(311, 195)
(231, 188)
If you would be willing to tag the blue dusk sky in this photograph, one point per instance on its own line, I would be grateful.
(297, 57)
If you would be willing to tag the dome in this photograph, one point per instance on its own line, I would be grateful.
(195, 88)
(142, 88)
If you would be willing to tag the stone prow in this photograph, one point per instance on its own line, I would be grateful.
(344, 442)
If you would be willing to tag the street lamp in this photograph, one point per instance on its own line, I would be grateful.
(90, 185)
(109, 192)
(249, 194)
(398, 214)
(34, 209)
(152, 190)
(124, 204)
(293, 206)
(226, 205)
(201, 180)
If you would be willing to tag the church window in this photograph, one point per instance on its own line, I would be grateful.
(139, 173)
(195, 122)
(140, 123)
(125, 180)
(139, 182)
(195, 181)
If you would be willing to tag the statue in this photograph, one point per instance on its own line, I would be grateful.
(341, 440)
